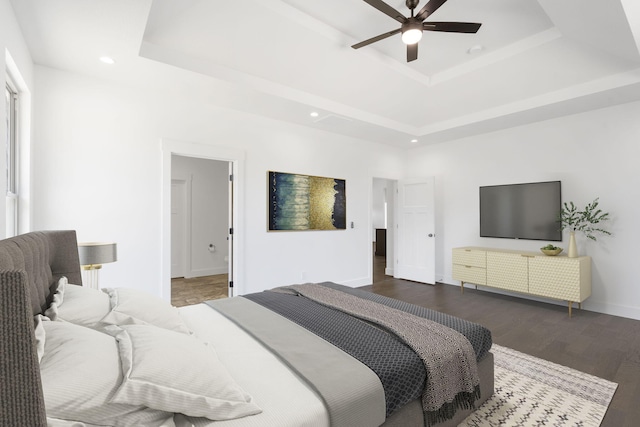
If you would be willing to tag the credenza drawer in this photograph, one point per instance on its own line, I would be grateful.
(469, 257)
(470, 274)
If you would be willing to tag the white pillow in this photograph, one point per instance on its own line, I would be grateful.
(58, 296)
(112, 306)
(134, 307)
(175, 372)
(52, 311)
(40, 334)
(78, 304)
(81, 372)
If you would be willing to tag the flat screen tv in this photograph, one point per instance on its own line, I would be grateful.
(521, 211)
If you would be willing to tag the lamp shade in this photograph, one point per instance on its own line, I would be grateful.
(93, 253)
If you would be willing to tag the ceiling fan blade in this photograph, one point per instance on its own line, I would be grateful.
(429, 8)
(452, 27)
(376, 38)
(412, 52)
(387, 10)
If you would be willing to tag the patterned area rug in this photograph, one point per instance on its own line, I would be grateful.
(534, 392)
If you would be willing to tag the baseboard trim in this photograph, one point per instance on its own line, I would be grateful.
(356, 283)
(206, 272)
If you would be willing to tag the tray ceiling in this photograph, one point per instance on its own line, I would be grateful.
(530, 60)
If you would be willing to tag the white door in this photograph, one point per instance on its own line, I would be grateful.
(415, 257)
(178, 227)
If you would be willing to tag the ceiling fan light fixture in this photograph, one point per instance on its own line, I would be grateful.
(412, 26)
(411, 36)
(411, 32)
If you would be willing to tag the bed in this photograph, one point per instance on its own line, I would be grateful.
(255, 360)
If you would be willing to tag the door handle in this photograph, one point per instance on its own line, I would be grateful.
(430, 234)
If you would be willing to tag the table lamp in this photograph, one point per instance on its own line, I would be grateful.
(92, 256)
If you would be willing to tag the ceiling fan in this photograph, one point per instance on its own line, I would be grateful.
(413, 26)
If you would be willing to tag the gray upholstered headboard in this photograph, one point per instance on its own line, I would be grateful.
(30, 266)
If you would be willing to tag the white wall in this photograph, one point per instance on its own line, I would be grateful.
(97, 169)
(209, 213)
(16, 60)
(594, 154)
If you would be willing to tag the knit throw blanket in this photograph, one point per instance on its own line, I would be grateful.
(452, 375)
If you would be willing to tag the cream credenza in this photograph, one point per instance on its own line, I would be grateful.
(557, 277)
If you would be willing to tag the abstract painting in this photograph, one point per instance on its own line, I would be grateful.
(304, 202)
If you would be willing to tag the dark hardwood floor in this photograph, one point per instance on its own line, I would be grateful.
(598, 344)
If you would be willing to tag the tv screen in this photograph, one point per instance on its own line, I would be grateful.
(521, 211)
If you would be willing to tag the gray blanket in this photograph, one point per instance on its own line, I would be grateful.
(400, 370)
(478, 335)
(452, 377)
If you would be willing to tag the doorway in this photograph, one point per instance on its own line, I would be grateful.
(234, 161)
(200, 224)
(382, 230)
(402, 214)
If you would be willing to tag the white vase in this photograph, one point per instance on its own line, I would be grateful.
(573, 248)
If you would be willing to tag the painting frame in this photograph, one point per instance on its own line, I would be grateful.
(300, 202)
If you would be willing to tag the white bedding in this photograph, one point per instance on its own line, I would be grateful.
(285, 399)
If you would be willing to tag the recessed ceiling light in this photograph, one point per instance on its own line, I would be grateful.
(314, 114)
(475, 49)
(414, 141)
(107, 60)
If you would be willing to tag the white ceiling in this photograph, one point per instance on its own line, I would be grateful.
(285, 58)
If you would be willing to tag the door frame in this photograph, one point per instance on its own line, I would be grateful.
(236, 159)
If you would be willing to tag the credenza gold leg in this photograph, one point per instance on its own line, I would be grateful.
(580, 305)
(461, 287)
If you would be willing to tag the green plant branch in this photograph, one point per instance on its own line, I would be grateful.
(584, 220)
